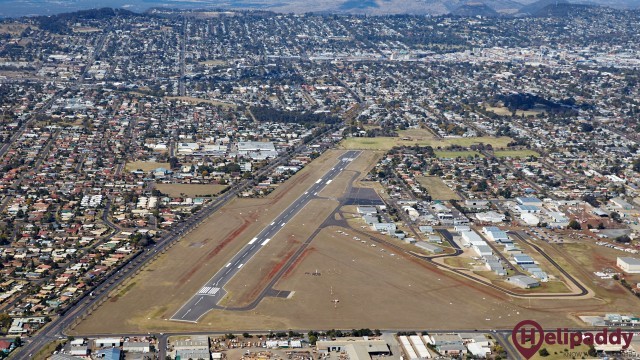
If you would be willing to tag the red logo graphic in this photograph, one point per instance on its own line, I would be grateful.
(528, 337)
(527, 330)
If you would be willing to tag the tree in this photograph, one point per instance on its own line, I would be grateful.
(586, 127)
(5, 320)
(18, 341)
(623, 239)
(313, 339)
(615, 216)
(574, 224)
(544, 352)
(247, 335)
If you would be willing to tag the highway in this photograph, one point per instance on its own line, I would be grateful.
(213, 291)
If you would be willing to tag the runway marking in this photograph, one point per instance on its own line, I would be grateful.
(204, 290)
(273, 223)
(265, 242)
(185, 314)
(213, 291)
(229, 264)
(198, 300)
(253, 240)
(329, 182)
(319, 181)
(239, 266)
(281, 225)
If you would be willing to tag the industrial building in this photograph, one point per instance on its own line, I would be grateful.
(356, 348)
(429, 247)
(629, 265)
(523, 281)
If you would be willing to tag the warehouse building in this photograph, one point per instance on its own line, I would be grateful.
(429, 247)
(629, 265)
(356, 348)
(529, 201)
(523, 281)
(523, 259)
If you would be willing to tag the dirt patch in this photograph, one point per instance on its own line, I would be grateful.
(231, 237)
(249, 297)
(295, 264)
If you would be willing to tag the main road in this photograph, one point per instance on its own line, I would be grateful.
(213, 291)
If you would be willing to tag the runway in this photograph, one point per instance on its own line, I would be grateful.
(213, 291)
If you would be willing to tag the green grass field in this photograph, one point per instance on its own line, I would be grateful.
(386, 143)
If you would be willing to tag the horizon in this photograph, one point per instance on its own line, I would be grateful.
(17, 8)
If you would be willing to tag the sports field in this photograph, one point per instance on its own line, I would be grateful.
(145, 165)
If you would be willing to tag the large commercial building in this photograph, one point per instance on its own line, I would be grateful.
(629, 265)
(356, 348)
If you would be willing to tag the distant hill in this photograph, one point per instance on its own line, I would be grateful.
(537, 6)
(475, 9)
(561, 10)
(59, 23)
(16, 8)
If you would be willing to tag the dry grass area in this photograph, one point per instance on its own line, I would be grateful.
(213, 63)
(437, 188)
(420, 137)
(145, 165)
(505, 111)
(248, 284)
(14, 28)
(194, 100)
(191, 190)
(583, 259)
(164, 285)
(374, 289)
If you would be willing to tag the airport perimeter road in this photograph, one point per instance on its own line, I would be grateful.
(213, 291)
